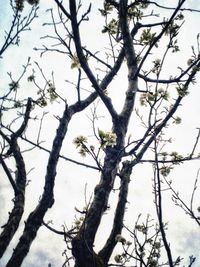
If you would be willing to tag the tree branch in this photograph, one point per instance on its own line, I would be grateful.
(9, 175)
(159, 209)
(125, 173)
(35, 218)
(131, 63)
(170, 114)
(84, 64)
(19, 184)
(158, 37)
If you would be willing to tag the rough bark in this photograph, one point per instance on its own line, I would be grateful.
(125, 173)
(84, 241)
(15, 215)
(35, 219)
(18, 184)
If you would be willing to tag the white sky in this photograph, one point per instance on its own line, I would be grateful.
(71, 179)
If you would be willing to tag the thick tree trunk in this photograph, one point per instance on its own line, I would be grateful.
(82, 244)
(85, 256)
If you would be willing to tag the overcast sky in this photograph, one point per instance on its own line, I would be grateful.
(71, 180)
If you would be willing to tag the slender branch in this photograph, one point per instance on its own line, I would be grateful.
(131, 63)
(196, 143)
(172, 8)
(60, 5)
(106, 252)
(9, 175)
(40, 127)
(170, 114)
(159, 208)
(97, 58)
(171, 80)
(85, 15)
(163, 81)
(194, 189)
(174, 161)
(84, 64)
(67, 234)
(142, 140)
(49, 151)
(25, 121)
(192, 260)
(6, 43)
(19, 188)
(19, 26)
(158, 37)
(179, 201)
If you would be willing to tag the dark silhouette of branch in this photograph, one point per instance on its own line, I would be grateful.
(125, 173)
(195, 144)
(35, 218)
(158, 37)
(131, 64)
(38, 145)
(60, 5)
(159, 209)
(159, 128)
(18, 185)
(9, 175)
(67, 234)
(18, 26)
(172, 8)
(47, 200)
(188, 209)
(130, 44)
(84, 64)
(171, 80)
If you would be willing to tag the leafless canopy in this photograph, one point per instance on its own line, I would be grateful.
(137, 45)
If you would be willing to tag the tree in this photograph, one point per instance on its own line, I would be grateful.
(135, 68)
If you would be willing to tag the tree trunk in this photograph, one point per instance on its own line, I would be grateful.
(85, 256)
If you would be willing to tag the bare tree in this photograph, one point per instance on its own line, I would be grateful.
(139, 44)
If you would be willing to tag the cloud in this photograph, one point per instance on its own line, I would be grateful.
(40, 258)
(188, 245)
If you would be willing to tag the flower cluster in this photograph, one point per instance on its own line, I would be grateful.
(52, 92)
(19, 4)
(111, 27)
(78, 223)
(121, 239)
(75, 62)
(150, 97)
(80, 142)
(46, 94)
(14, 85)
(165, 170)
(120, 257)
(141, 228)
(182, 91)
(106, 10)
(147, 37)
(107, 138)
